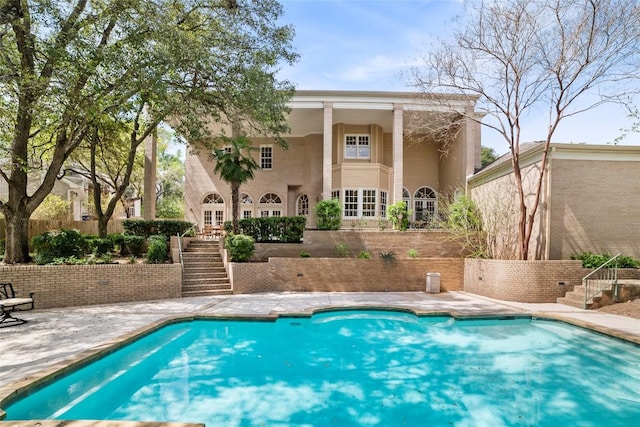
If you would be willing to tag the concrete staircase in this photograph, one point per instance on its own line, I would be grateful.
(204, 272)
(628, 289)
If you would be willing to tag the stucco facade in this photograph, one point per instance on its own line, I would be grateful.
(354, 146)
(590, 200)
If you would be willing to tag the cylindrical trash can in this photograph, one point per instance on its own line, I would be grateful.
(433, 283)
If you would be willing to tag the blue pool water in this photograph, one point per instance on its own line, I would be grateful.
(356, 368)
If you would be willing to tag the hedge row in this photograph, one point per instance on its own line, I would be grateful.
(146, 228)
(285, 229)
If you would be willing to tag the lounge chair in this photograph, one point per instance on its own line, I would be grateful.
(10, 304)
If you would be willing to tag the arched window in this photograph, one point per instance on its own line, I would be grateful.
(302, 205)
(406, 197)
(212, 210)
(270, 205)
(270, 198)
(246, 205)
(425, 204)
(213, 198)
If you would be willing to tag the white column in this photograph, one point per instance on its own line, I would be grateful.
(150, 154)
(327, 155)
(398, 140)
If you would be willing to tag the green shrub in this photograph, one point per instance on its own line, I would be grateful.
(118, 242)
(134, 245)
(591, 260)
(158, 251)
(99, 246)
(305, 254)
(328, 214)
(240, 247)
(58, 244)
(364, 255)
(343, 250)
(285, 229)
(388, 256)
(398, 214)
(412, 253)
(2, 248)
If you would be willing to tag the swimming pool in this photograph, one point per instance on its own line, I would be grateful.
(355, 368)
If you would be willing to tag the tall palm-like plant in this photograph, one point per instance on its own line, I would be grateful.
(235, 165)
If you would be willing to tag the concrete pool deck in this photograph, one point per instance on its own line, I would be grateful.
(53, 337)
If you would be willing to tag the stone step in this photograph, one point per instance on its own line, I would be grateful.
(210, 293)
(200, 276)
(205, 269)
(575, 297)
(201, 261)
(203, 249)
(572, 302)
(206, 287)
(205, 279)
(201, 255)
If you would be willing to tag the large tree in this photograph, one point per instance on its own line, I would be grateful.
(67, 68)
(523, 57)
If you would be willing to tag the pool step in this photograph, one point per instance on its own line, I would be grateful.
(204, 271)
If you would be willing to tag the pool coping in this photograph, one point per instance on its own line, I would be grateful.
(41, 378)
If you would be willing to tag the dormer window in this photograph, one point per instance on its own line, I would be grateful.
(356, 147)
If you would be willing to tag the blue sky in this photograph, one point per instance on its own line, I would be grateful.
(370, 44)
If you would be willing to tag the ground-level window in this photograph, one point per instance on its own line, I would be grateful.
(335, 195)
(425, 204)
(350, 203)
(270, 204)
(213, 217)
(360, 202)
(266, 157)
(368, 203)
(302, 206)
(383, 204)
(246, 205)
(212, 209)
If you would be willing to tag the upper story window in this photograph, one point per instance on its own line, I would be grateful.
(266, 157)
(356, 147)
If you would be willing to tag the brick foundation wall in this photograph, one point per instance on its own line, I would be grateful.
(78, 285)
(345, 275)
(522, 281)
(321, 244)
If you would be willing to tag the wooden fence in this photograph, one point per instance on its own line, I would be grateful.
(37, 227)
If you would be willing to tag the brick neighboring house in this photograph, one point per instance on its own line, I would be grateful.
(590, 200)
(347, 145)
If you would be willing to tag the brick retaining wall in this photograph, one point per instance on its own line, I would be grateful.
(77, 285)
(344, 275)
(522, 281)
(322, 243)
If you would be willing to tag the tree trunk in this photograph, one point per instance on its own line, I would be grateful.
(103, 222)
(17, 240)
(235, 192)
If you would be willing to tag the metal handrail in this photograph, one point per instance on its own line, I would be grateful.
(180, 253)
(600, 279)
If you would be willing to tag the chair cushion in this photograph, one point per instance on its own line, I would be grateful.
(12, 302)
